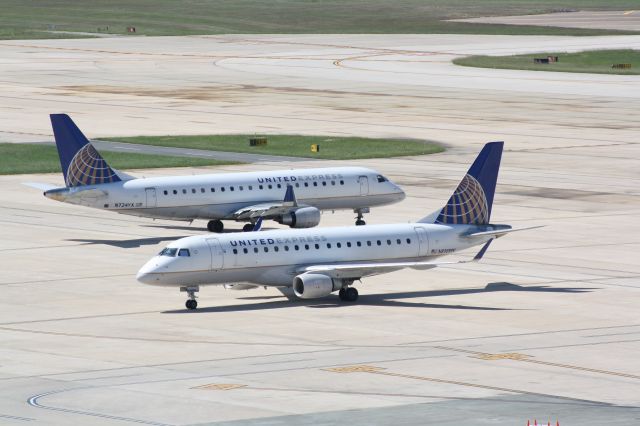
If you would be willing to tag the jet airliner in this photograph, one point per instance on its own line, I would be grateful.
(244, 197)
(314, 263)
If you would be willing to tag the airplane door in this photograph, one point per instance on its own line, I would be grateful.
(152, 199)
(364, 185)
(423, 241)
(217, 254)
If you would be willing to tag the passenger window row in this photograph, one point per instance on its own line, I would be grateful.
(249, 187)
(300, 247)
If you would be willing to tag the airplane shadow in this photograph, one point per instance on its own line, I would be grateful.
(388, 299)
(201, 228)
(134, 243)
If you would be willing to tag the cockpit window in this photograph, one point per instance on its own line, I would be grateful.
(184, 253)
(382, 178)
(170, 252)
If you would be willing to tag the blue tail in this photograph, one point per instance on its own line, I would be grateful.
(472, 200)
(81, 163)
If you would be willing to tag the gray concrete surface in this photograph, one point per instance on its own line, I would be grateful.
(623, 20)
(546, 327)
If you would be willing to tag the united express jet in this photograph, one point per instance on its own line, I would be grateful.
(245, 197)
(317, 262)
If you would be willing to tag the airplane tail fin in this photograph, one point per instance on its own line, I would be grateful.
(472, 200)
(81, 163)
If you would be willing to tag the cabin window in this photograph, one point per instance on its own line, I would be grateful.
(276, 248)
(184, 191)
(359, 244)
(231, 188)
(255, 249)
(296, 247)
(184, 253)
(270, 186)
(317, 246)
(213, 190)
(324, 183)
(328, 245)
(266, 249)
(315, 183)
(222, 189)
(408, 240)
(241, 188)
(306, 184)
(388, 242)
(341, 182)
(286, 248)
(348, 243)
(379, 242)
(261, 187)
(193, 190)
(202, 190)
(165, 192)
(369, 243)
(250, 188)
(297, 185)
(333, 183)
(399, 241)
(170, 252)
(338, 245)
(245, 251)
(175, 192)
(235, 251)
(279, 186)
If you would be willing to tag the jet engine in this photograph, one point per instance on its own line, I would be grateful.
(304, 217)
(311, 286)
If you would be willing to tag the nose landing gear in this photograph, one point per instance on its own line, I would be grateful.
(191, 303)
(215, 226)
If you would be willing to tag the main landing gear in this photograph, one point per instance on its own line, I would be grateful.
(248, 227)
(360, 218)
(215, 226)
(191, 303)
(348, 294)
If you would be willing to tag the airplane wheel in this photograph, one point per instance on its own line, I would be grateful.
(248, 227)
(191, 304)
(215, 226)
(351, 294)
(341, 294)
(360, 222)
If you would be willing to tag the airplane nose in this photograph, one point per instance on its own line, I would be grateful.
(147, 274)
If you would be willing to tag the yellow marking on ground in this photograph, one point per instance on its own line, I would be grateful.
(355, 369)
(220, 386)
(493, 357)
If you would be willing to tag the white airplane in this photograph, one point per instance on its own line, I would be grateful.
(227, 196)
(314, 263)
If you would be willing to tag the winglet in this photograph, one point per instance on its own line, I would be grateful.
(290, 197)
(482, 251)
(258, 225)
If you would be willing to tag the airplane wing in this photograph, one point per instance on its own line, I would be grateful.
(269, 210)
(359, 270)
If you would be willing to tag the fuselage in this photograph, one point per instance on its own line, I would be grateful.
(274, 257)
(218, 196)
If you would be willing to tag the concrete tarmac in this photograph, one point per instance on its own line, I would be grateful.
(545, 327)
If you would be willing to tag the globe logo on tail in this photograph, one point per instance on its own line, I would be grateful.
(467, 205)
(88, 168)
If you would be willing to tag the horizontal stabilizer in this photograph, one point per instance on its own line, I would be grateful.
(496, 233)
(40, 186)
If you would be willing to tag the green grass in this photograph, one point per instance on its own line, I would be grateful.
(20, 19)
(33, 158)
(332, 148)
(594, 61)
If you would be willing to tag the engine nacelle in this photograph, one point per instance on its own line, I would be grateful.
(311, 286)
(304, 217)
